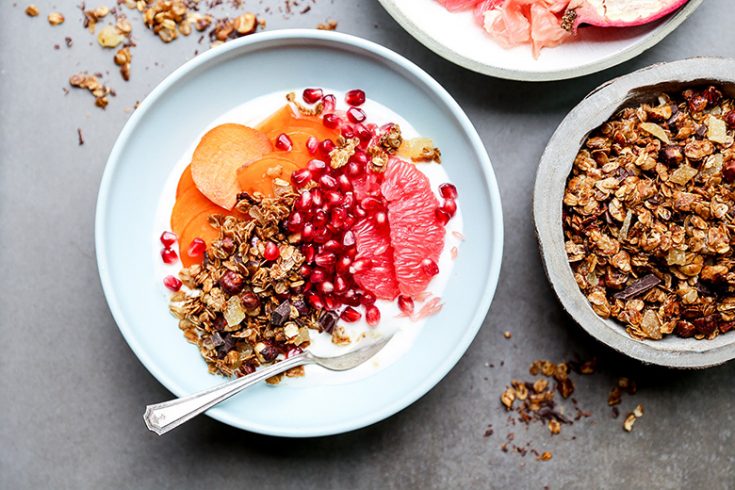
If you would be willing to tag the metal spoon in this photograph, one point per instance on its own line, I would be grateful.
(162, 417)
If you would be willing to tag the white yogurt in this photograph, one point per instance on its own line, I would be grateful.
(404, 329)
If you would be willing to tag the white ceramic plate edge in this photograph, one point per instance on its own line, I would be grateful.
(656, 36)
(288, 35)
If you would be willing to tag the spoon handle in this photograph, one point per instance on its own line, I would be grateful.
(162, 417)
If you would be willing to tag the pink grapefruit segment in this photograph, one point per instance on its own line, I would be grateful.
(415, 233)
(374, 244)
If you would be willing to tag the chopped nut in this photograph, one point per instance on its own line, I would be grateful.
(507, 398)
(545, 456)
(638, 411)
(554, 426)
(330, 25)
(109, 37)
(55, 18)
(629, 421)
(32, 11)
(507, 334)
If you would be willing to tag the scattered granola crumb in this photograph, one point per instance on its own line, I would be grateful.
(93, 85)
(329, 25)
(638, 411)
(629, 421)
(55, 18)
(32, 11)
(507, 334)
(80, 136)
(545, 456)
(69, 42)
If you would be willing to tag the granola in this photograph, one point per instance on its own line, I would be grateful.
(648, 216)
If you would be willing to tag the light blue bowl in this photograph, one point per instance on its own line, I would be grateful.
(174, 115)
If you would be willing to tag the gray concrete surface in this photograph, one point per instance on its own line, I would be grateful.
(72, 392)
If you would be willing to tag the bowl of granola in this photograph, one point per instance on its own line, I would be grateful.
(634, 204)
(293, 210)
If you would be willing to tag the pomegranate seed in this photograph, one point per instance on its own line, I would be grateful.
(326, 146)
(325, 287)
(349, 222)
(312, 95)
(172, 283)
(352, 252)
(293, 352)
(283, 142)
(330, 120)
(317, 198)
(340, 284)
(330, 302)
(345, 185)
(332, 246)
(361, 265)
(295, 222)
(315, 301)
(304, 202)
(169, 256)
(321, 235)
(448, 191)
(316, 167)
(328, 181)
(372, 315)
(334, 198)
(305, 271)
(347, 131)
(367, 298)
(405, 304)
(449, 206)
(271, 251)
(330, 102)
(430, 267)
(363, 133)
(360, 157)
(312, 145)
(348, 200)
(301, 177)
(325, 259)
(168, 238)
(350, 315)
(355, 97)
(308, 252)
(442, 217)
(343, 264)
(320, 219)
(348, 239)
(337, 218)
(317, 276)
(371, 204)
(356, 115)
(353, 169)
(307, 233)
(360, 213)
(351, 297)
(196, 248)
(381, 219)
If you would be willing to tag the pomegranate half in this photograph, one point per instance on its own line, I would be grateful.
(617, 13)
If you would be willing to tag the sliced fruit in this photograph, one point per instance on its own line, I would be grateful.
(618, 13)
(188, 205)
(260, 174)
(198, 227)
(284, 120)
(415, 232)
(374, 246)
(222, 151)
(298, 154)
(185, 181)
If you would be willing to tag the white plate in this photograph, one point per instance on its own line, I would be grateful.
(456, 37)
(176, 113)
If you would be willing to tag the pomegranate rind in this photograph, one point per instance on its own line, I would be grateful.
(415, 233)
(374, 244)
(621, 13)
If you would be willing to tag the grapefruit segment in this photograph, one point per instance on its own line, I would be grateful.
(374, 244)
(415, 233)
(219, 154)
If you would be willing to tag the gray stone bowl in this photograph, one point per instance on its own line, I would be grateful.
(553, 171)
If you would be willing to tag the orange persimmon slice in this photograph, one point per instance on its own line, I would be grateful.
(222, 151)
(188, 205)
(259, 175)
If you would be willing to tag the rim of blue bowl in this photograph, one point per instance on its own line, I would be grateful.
(398, 62)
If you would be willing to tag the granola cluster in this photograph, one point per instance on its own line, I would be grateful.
(648, 216)
(240, 309)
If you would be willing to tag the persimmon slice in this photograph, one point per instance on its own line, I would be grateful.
(259, 175)
(188, 205)
(222, 151)
(186, 182)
